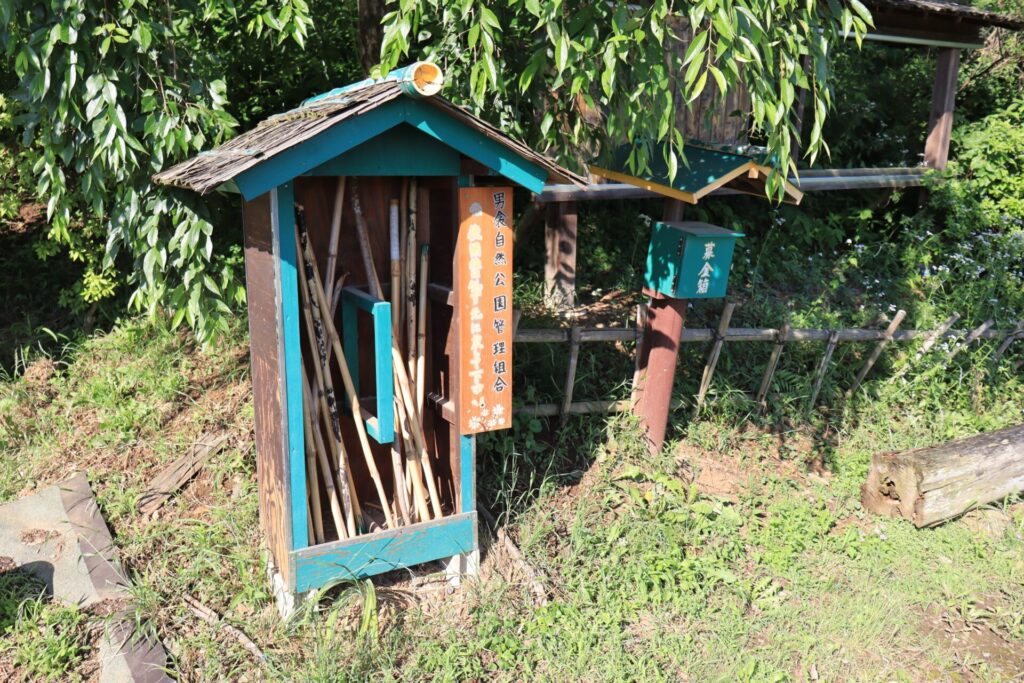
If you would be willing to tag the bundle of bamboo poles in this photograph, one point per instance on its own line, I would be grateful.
(333, 496)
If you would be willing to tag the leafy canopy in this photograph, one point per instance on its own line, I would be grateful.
(569, 76)
(112, 92)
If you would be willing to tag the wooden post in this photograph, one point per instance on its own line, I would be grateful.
(658, 353)
(716, 351)
(819, 376)
(1010, 337)
(570, 375)
(940, 122)
(934, 337)
(560, 267)
(970, 339)
(877, 352)
(773, 362)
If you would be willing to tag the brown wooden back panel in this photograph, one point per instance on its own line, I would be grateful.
(271, 465)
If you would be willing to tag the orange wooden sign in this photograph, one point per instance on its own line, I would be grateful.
(483, 263)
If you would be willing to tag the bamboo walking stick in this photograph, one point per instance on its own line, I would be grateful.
(320, 414)
(421, 332)
(415, 471)
(396, 331)
(315, 450)
(323, 328)
(332, 247)
(410, 279)
(329, 408)
(313, 487)
(399, 367)
(346, 377)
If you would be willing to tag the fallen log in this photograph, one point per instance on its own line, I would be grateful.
(931, 485)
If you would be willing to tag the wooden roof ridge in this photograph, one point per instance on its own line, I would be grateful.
(953, 9)
(210, 169)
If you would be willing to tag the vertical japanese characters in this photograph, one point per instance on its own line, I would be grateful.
(706, 270)
(484, 266)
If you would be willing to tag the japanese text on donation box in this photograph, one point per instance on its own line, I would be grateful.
(483, 258)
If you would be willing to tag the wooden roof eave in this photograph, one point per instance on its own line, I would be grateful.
(326, 139)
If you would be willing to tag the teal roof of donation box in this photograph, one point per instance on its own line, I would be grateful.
(392, 125)
(704, 171)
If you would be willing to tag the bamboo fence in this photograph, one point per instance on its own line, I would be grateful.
(575, 336)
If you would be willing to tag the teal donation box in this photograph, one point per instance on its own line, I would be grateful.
(689, 260)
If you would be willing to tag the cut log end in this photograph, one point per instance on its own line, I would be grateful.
(891, 489)
(931, 485)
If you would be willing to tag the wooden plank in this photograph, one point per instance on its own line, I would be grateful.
(483, 263)
(309, 154)
(716, 351)
(570, 375)
(934, 336)
(400, 151)
(178, 473)
(265, 357)
(877, 351)
(974, 336)
(819, 375)
(1012, 336)
(933, 484)
(432, 121)
(773, 363)
(560, 266)
(940, 121)
(384, 551)
(282, 212)
(467, 473)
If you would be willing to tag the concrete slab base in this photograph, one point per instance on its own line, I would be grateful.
(59, 536)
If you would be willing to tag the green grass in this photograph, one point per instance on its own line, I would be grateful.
(779, 576)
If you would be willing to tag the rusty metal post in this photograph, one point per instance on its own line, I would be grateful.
(658, 354)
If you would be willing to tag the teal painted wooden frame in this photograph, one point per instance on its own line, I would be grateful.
(467, 472)
(282, 224)
(384, 551)
(382, 425)
(348, 133)
(402, 150)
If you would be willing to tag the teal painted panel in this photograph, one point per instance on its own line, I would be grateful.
(350, 133)
(401, 151)
(352, 299)
(475, 145)
(384, 551)
(467, 471)
(702, 168)
(335, 140)
(689, 260)
(282, 201)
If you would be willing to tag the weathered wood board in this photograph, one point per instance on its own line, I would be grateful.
(265, 357)
(933, 484)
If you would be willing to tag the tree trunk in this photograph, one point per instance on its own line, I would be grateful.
(370, 32)
(933, 484)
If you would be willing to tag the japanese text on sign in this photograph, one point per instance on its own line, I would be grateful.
(704, 276)
(484, 280)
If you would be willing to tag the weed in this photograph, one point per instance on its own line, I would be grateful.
(48, 640)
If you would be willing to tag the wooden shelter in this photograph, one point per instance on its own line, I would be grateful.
(326, 187)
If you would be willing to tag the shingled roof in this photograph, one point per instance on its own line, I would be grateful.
(212, 169)
(948, 8)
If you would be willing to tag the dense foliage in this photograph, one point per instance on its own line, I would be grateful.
(566, 76)
(111, 93)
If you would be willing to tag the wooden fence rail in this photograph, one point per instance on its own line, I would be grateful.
(576, 335)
